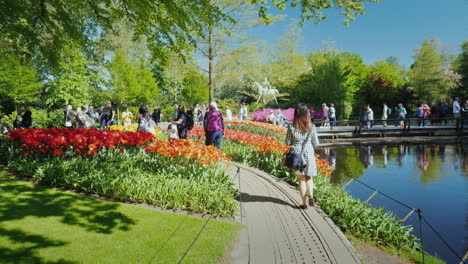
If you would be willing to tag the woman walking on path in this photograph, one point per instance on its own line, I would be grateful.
(301, 130)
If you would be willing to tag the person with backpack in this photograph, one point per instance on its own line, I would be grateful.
(214, 126)
(401, 111)
(142, 120)
(387, 111)
(182, 122)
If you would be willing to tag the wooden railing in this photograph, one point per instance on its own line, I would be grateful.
(407, 123)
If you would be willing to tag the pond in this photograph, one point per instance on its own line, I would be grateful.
(432, 177)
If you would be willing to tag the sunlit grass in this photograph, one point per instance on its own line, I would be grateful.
(40, 224)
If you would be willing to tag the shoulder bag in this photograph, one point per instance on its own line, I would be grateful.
(294, 160)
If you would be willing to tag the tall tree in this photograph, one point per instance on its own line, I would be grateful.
(384, 83)
(431, 75)
(132, 82)
(461, 67)
(18, 80)
(71, 82)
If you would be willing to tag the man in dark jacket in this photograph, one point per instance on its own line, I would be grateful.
(27, 117)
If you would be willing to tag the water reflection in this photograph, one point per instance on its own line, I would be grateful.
(432, 177)
(429, 160)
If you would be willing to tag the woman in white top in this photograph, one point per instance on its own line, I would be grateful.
(228, 114)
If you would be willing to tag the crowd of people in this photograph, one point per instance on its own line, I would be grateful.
(436, 113)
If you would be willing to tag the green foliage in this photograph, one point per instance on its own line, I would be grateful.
(312, 9)
(385, 82)
(461, 67)
(133, 84)
(18, 81)
(195, 88)
(430, 75)
(71, 83)
(334, 78)
(361, 219)
(139, 176)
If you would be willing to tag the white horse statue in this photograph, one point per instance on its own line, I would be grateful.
(265, 91)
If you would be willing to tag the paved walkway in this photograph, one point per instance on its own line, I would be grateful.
(278, 232)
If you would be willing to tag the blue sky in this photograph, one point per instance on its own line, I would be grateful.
(388, 28)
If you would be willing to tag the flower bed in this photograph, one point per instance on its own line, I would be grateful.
(259, 142)
(260, 125)
(129, 166)
(58, 141)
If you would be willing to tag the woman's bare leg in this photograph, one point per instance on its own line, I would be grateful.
(309, 186)
(302, 189)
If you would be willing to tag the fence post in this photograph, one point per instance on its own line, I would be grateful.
(421, 232)
(240, 194)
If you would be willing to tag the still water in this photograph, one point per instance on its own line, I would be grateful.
(431, 177)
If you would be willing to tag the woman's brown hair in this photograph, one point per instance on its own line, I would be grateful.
(301, 118)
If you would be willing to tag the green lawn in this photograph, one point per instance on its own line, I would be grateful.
(40, 224)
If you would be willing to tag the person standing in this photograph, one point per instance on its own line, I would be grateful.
(88, 110)
(110, 114)
(302, 136)
(156, 115)
(245, 112)
(127, 117)
(420, 114)
(241, 112)
(464, 110)
(181, 123)
(442, 112)
(214, 126)
(68, 115)
(456, 110)
(370, 117)
(385, 114)
(176, 111)
(142, 120)
(332, 115)
(325, 117)
(312, 114)
(280, 118)
(107, 117)
(401, 112)
(228, 113)
(18, 124)
(27, 117)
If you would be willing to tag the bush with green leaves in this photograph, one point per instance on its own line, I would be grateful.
(136, 176)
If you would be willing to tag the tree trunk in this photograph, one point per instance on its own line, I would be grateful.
(210, 63)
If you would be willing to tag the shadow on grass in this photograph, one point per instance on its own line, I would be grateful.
(25, 253)
(19, 200)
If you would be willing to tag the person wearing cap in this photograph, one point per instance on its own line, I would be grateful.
(214, 126)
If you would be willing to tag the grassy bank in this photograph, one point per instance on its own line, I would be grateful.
(44, 225)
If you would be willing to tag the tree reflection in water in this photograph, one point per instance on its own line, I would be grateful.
(430, 160)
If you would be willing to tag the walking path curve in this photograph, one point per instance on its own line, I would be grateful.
(278, 232)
